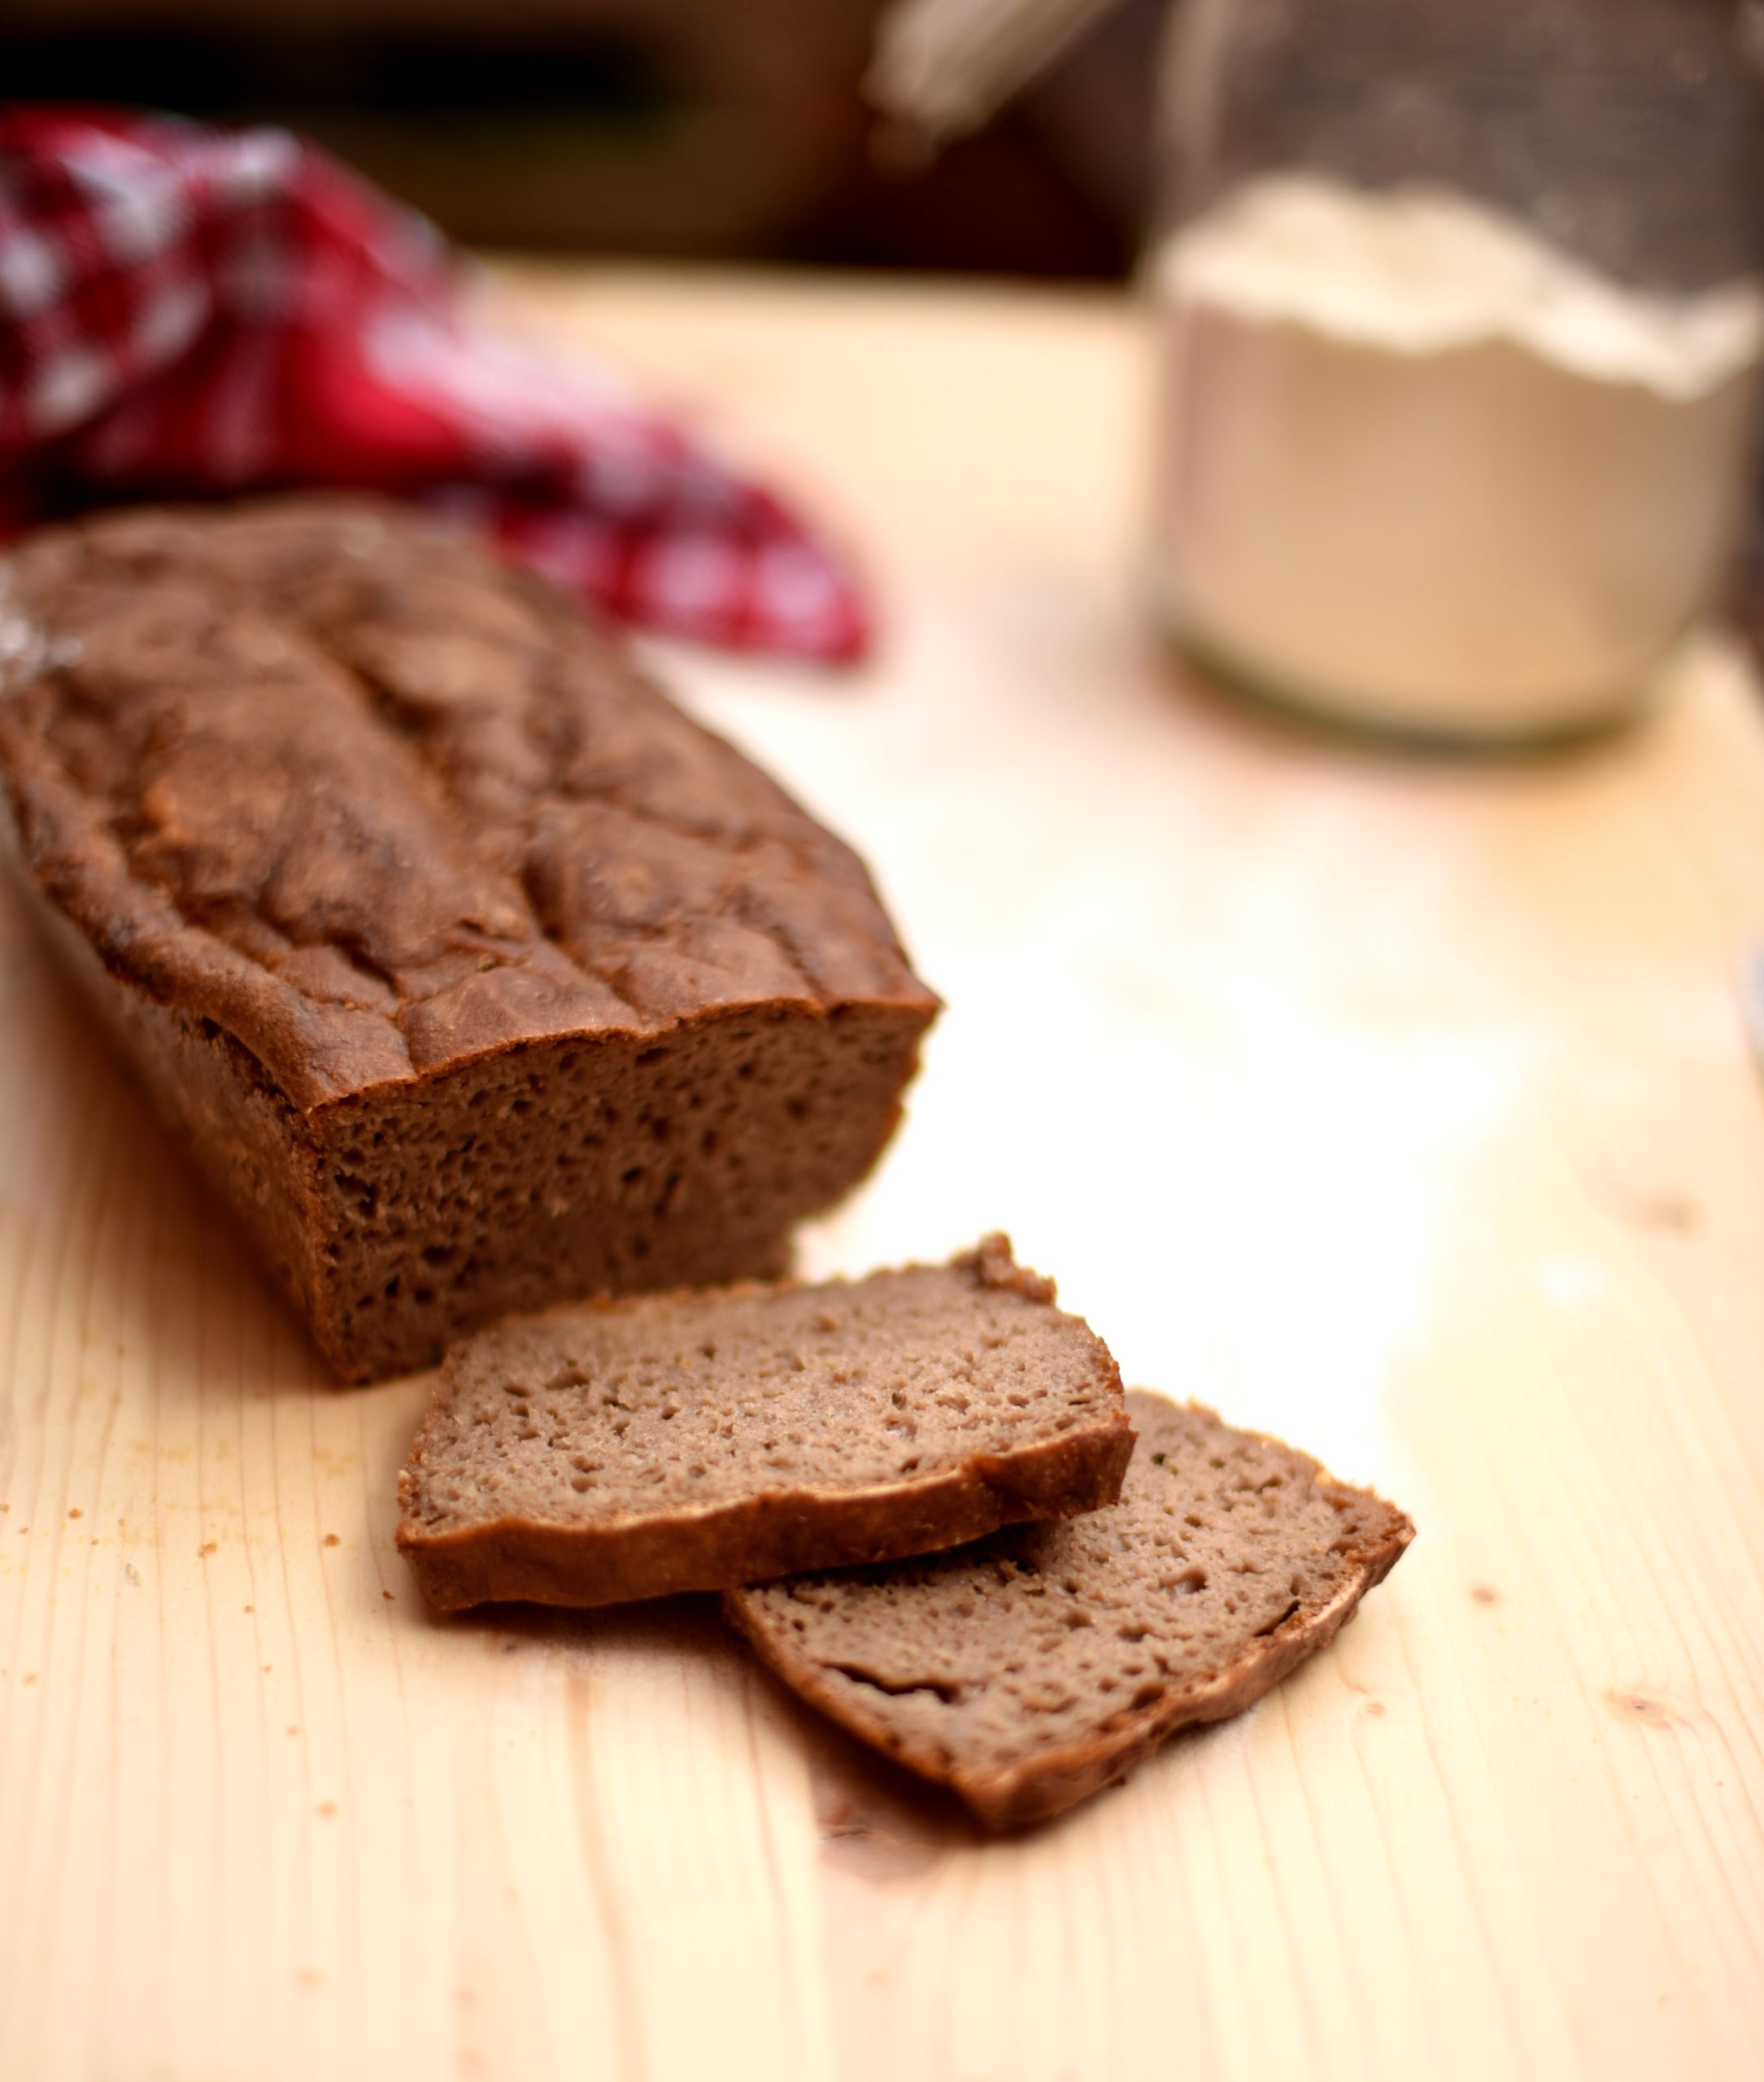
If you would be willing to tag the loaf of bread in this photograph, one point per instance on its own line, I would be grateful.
(1040, 1664)
(473, 973)
(623, 1449)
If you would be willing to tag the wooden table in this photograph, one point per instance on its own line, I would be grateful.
(1401, 1108)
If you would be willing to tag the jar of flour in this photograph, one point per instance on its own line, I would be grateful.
(1460, 324)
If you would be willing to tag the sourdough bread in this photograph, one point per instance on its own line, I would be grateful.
(1038, 1665)
(624, 1449)
(474, 973)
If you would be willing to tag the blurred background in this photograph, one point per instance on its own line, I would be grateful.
(723, 129)
(680, 130)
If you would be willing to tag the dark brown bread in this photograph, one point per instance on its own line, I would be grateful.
(680, 1442)
(475, 973)
(1039, 1664)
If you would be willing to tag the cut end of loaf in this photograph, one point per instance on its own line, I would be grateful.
(576, 1167)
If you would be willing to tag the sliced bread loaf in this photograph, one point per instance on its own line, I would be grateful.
(1040, 1664)
(474, 973)
(624, 1449)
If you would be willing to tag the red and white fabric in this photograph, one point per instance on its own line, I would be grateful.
(187, 312)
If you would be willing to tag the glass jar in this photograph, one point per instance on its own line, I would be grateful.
(1460, 313)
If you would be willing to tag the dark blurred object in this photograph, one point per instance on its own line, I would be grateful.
(629, 125)
(1749, 593)
(678, 127)
(944, 68)
(1056, 184)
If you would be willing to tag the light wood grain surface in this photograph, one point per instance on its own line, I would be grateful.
(1403, 1108)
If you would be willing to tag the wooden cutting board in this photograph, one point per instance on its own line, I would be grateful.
(1399, 1107)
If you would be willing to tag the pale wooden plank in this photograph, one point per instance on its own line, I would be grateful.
(259, 1814)
(1401, 1109)
(1407, 1112)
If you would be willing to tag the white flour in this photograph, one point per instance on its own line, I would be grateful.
(1420, 468)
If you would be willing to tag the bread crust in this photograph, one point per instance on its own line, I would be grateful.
(776, 1532)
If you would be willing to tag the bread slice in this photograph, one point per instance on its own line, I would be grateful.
(685, 1442)
(1039, 1664)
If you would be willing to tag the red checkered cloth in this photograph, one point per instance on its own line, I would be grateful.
(187, 312)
